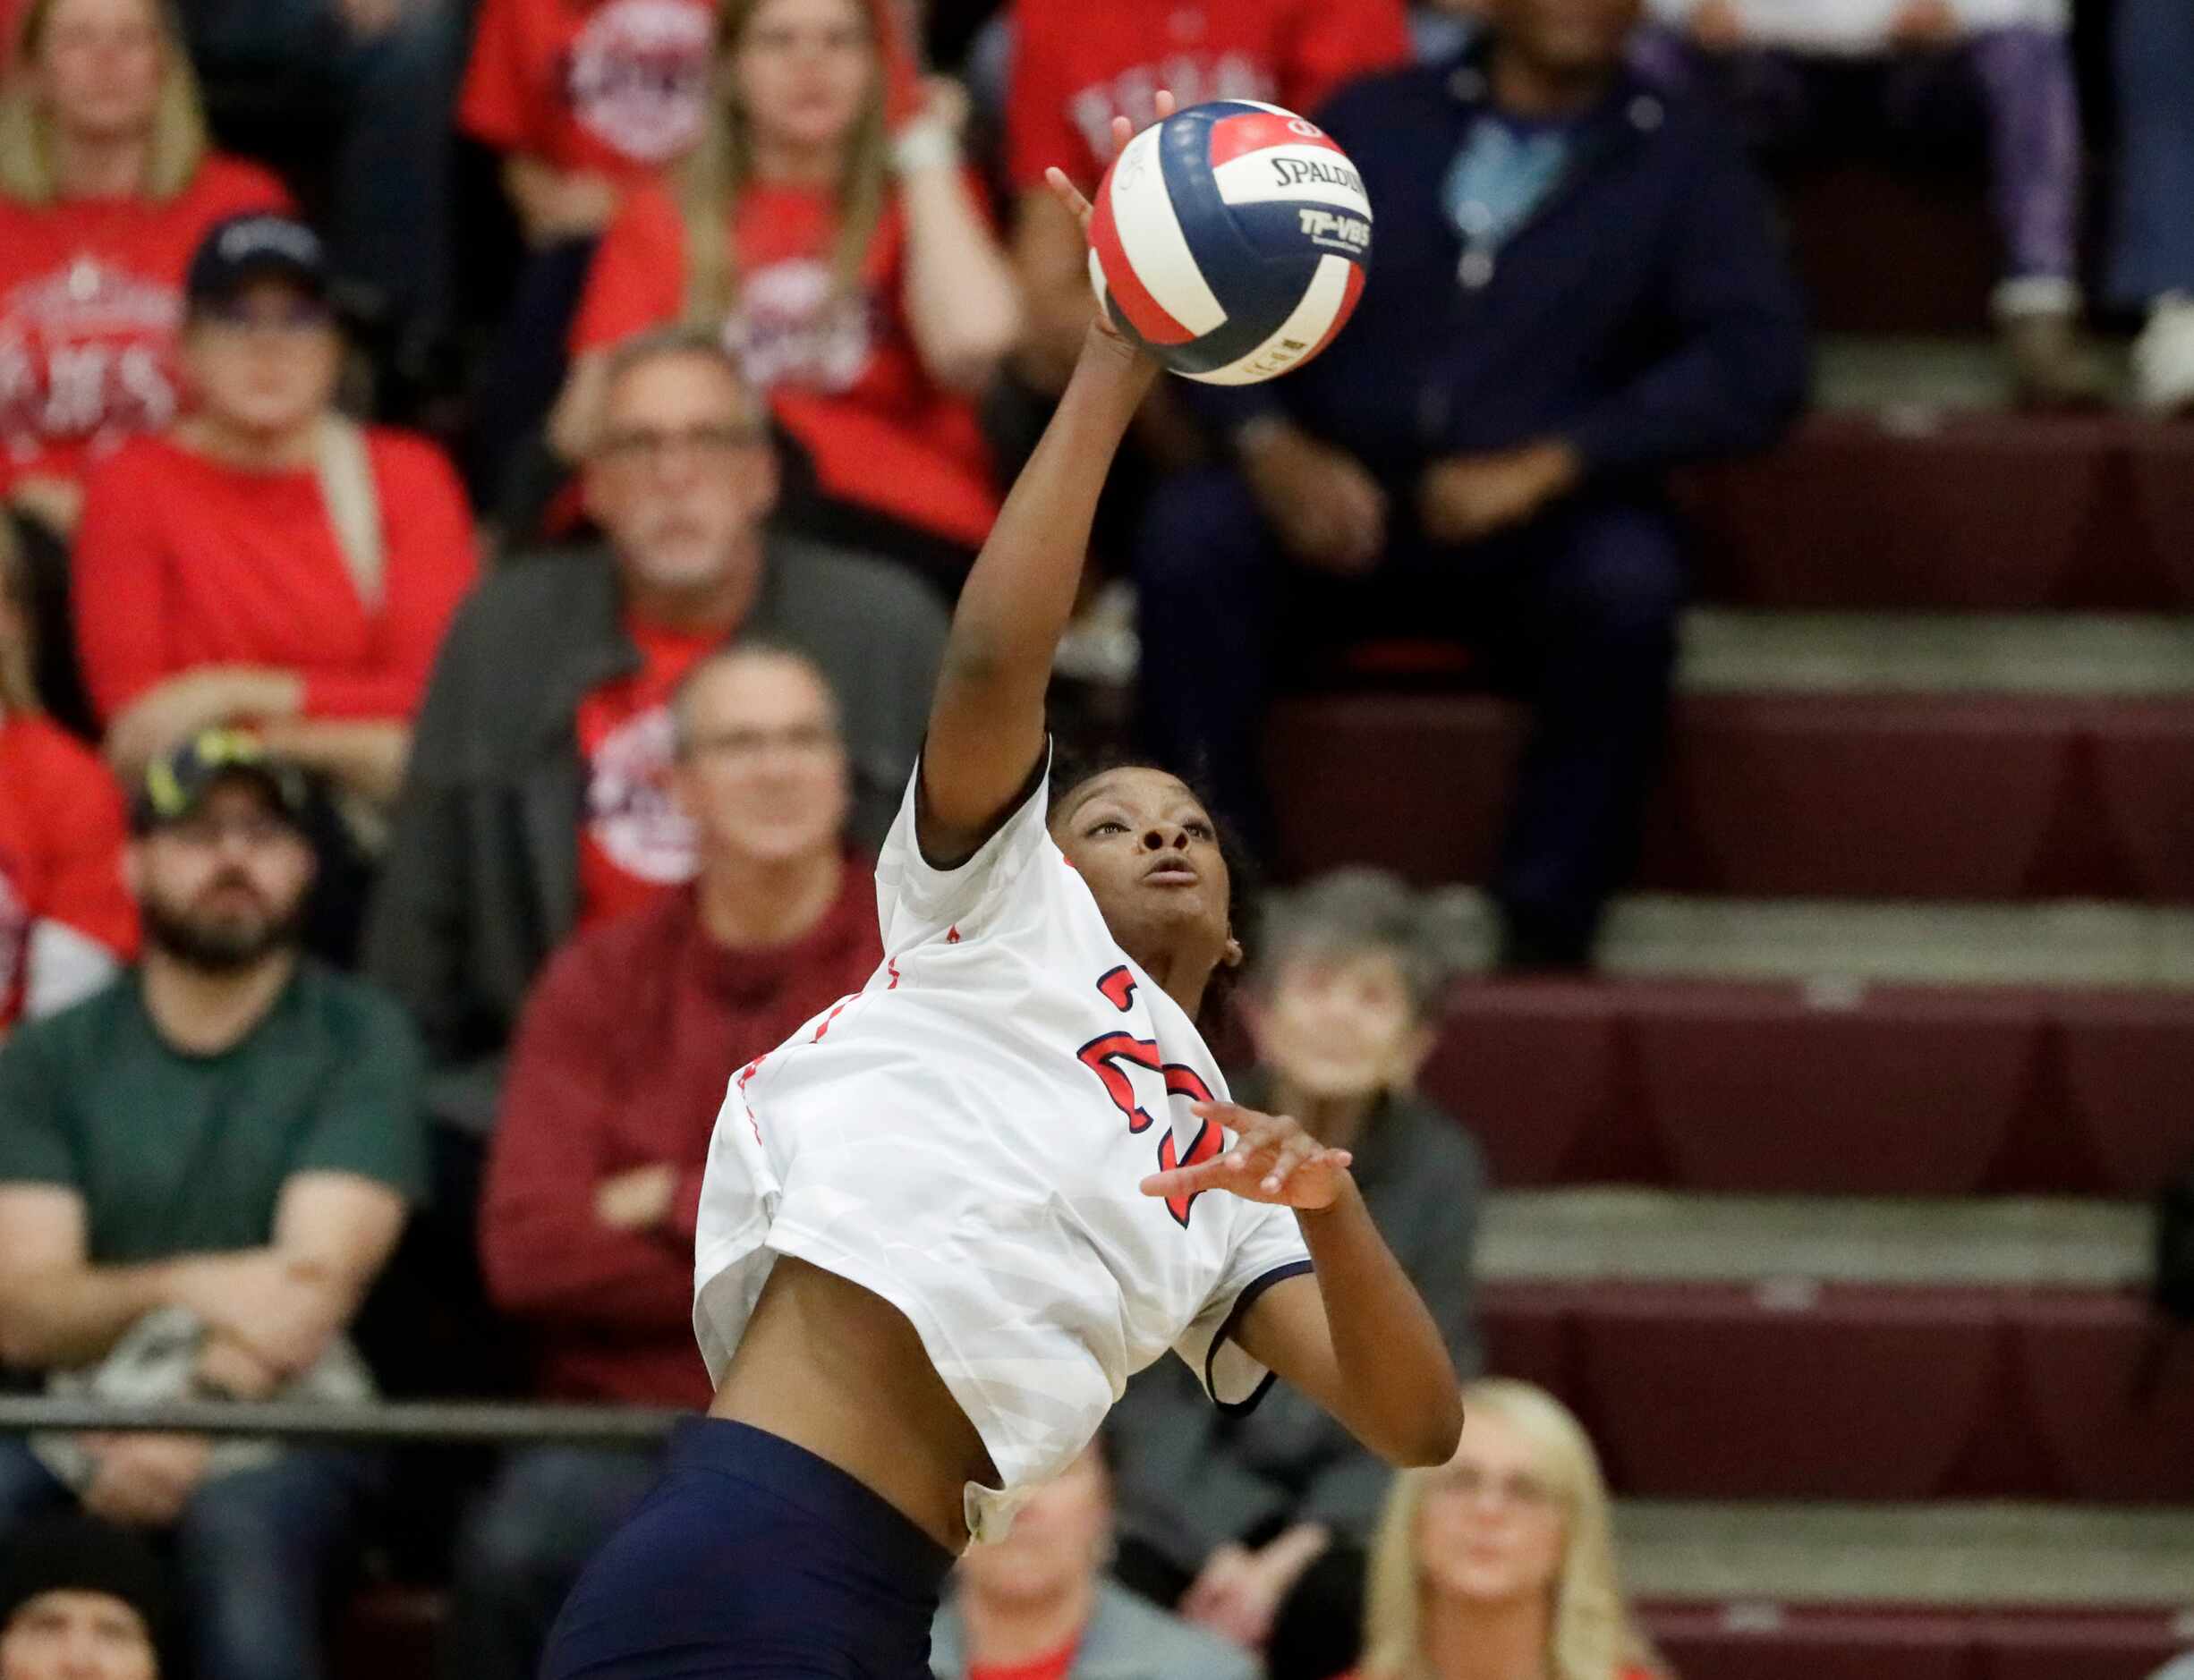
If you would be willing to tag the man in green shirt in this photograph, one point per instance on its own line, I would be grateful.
(231, 1131)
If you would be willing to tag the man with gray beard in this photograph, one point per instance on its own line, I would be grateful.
(203, 1167)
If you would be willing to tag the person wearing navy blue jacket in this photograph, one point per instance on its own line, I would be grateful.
(1576, 285)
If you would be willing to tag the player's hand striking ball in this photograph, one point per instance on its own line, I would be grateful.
(1229, 241)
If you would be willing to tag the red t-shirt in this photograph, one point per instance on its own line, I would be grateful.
(1075, 68)
(1054, 1667)
(634, 840)
(617, 86)
(183, 561)
(61, 838)
(841, 372)
(90, 305)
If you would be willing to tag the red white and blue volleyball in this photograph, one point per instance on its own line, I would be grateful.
(1230, 240)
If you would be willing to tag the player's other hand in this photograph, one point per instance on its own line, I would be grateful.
(1272, 1159)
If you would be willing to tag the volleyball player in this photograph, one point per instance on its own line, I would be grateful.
(944, 1223)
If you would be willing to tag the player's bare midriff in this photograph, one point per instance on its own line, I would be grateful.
(833, 1368)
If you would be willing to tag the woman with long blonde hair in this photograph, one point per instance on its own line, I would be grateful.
(825, 225)
(107, 185)
(1500, 1564)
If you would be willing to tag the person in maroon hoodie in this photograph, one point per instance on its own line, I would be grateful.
(621, 1062)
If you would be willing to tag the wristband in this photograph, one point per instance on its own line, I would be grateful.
(924, 144)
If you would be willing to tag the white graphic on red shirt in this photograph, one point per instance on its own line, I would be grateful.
(1193, 77)
(83, 354)
(631, 814)
(795, 326)
(637, 77)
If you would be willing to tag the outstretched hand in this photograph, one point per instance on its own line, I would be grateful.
(1078, 206)
(1272, 1159)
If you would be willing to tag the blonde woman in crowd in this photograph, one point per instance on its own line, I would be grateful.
(1501, 1563)
(826, 226)
(108, 184)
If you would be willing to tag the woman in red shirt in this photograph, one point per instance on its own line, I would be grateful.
(1501, 1561)
(268, 564)
(849, 262)
(106, 186)
(66, 922)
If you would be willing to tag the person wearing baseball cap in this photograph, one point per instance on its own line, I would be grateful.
(267, 562)
(81, 1599)
(237, 1127)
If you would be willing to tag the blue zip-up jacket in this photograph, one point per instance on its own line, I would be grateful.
(1645, 311)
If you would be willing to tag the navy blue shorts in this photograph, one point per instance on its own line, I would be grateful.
(751, 1559)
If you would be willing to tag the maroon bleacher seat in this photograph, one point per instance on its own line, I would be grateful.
(1865, 796)
(2110, 1386)
(1982, 512)
(2160, 465)
(2104, 1646)
(1532, 1069)
(2143, 758)
(1419, 783)
(386, 1631)
(1712, 1391)
(1771, 1642)
(1531, 1332)
(1901, 1092)
(2128, 1068)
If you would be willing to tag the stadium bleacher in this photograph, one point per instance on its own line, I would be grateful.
(1825, 1203)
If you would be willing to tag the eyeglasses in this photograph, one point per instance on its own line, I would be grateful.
(1518, 1486)
(742, 745)
(638, 444)
(298, 315)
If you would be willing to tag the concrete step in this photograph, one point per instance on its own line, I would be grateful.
(1834, 948)
(2016, 1556)
(1601, 1234)
(1732, 649)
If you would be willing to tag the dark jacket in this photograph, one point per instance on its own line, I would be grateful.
(1645, 311)
(1189, 1477)
(481, 880)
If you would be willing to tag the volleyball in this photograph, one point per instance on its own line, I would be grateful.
(1230, 240)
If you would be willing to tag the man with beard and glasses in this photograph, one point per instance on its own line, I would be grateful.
(202, 1168)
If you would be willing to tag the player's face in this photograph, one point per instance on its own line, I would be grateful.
(1340, 1026)
(76, 1636)
(764, 774)
(1057, 1541)
(266, 360)
(681, 475)
(1149, 852)
(801, 71)
(1492, 1524)
(99, 66)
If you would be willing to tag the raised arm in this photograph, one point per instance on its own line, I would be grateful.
(986, 723)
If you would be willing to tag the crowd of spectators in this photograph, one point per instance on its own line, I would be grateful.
(376, 840)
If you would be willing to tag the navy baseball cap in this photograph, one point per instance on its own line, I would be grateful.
(176, 785)
(259, 246)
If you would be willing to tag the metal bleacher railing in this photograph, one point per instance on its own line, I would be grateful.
(392, 1423)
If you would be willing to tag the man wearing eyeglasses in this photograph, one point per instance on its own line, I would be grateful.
(539, 800)
(616, 1074)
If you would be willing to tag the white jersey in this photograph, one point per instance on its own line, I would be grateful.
(965, 1137)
